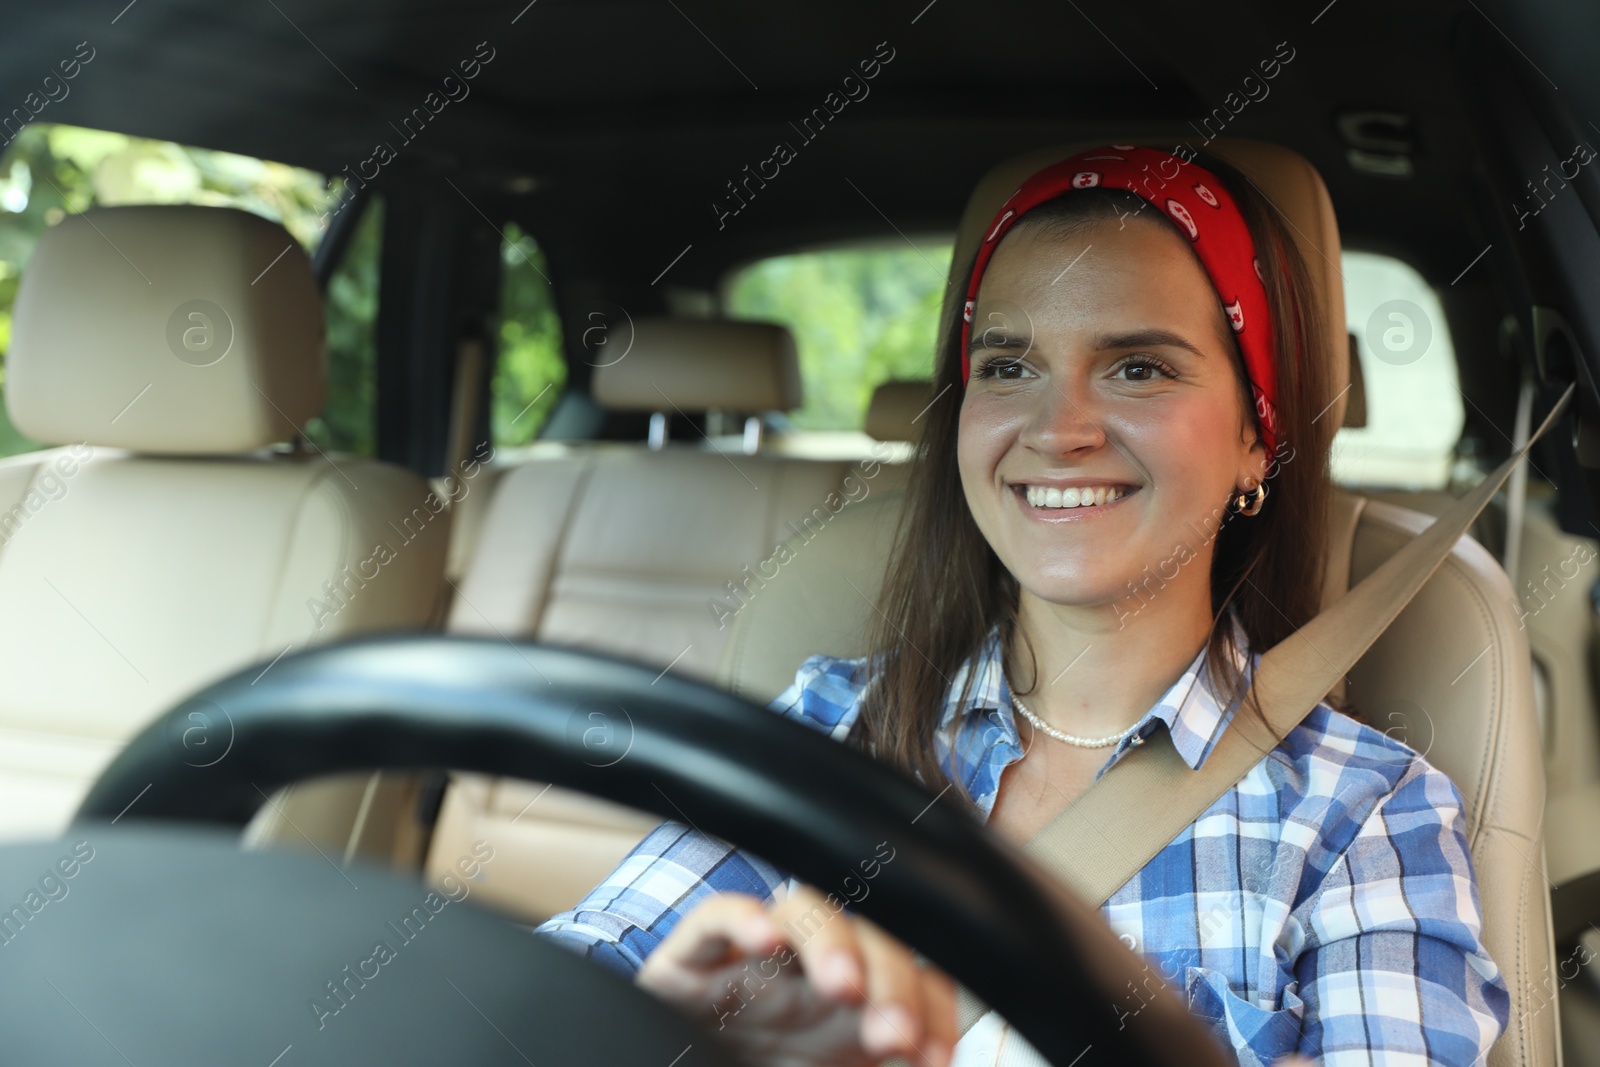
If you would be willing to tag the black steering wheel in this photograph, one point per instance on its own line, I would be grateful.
(232, 952)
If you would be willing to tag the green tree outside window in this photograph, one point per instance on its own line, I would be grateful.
(530, 370)
(859, 316)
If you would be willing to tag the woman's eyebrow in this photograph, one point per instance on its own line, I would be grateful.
(1150, 337)
(996, 337)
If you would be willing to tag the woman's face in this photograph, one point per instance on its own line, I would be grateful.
(1110, 370)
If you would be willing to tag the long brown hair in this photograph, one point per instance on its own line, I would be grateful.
(945, 588)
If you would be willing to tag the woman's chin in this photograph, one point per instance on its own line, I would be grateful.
(1076, 588)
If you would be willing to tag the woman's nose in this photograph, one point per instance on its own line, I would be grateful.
(1066, 417)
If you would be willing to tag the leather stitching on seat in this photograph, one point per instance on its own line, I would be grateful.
(1524, 1040)
(558, 549)
(317, 470)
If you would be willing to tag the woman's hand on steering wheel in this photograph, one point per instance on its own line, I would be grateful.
(797, 983)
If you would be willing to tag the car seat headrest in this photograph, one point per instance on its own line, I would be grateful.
(895, 413)
(698, 365)
(166, 329)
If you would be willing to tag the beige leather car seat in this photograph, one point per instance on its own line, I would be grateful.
(895, 413)
(1451, 676)
(648, 554)
(1553, 602)
(165, 545)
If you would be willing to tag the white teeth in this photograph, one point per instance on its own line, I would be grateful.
(1051, 497)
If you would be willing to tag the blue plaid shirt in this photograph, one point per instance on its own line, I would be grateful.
(1325, 904)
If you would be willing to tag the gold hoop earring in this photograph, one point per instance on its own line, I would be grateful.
(1250, 504)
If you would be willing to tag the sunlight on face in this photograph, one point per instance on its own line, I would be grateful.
(1116, 370)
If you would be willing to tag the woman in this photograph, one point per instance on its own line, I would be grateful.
(1118, 507)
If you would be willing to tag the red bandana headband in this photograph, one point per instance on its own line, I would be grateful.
(1199, 204)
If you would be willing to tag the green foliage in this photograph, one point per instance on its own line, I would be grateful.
(351, 303)
(106, 169)
(530, 371)
(49, 171)
(859, 316)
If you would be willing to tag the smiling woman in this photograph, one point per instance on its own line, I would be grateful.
(1125, 384)
(1159, 406)
(1141, 386)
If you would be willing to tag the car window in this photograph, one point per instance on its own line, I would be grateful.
(350, 304)
(50, 170)
(863, 315)
(529, 371)
(1408, 365)
(860, 316)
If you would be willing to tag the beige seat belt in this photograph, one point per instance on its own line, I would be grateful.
(1131, 813)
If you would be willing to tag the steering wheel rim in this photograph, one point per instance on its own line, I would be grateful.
(682, 749)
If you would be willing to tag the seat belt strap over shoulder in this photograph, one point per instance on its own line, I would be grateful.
(1129, 815)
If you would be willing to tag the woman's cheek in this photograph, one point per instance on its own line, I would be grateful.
(1189, 453)
(983, 434)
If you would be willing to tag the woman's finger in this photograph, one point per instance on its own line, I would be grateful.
(893, 1020)
(724, 925)
(939, 1017)
(825, 943)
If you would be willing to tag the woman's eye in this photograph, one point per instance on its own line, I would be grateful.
(1002, 369)
(1146, 369)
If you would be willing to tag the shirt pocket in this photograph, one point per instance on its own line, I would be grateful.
(1258, 1036)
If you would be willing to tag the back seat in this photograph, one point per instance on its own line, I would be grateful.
(648, 553)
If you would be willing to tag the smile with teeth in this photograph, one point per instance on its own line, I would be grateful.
(1088, 496)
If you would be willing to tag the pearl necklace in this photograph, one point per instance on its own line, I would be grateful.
(1071, 739)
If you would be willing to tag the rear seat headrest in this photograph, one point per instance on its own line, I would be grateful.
(896, 408)
(167, 329)
(699, 365)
